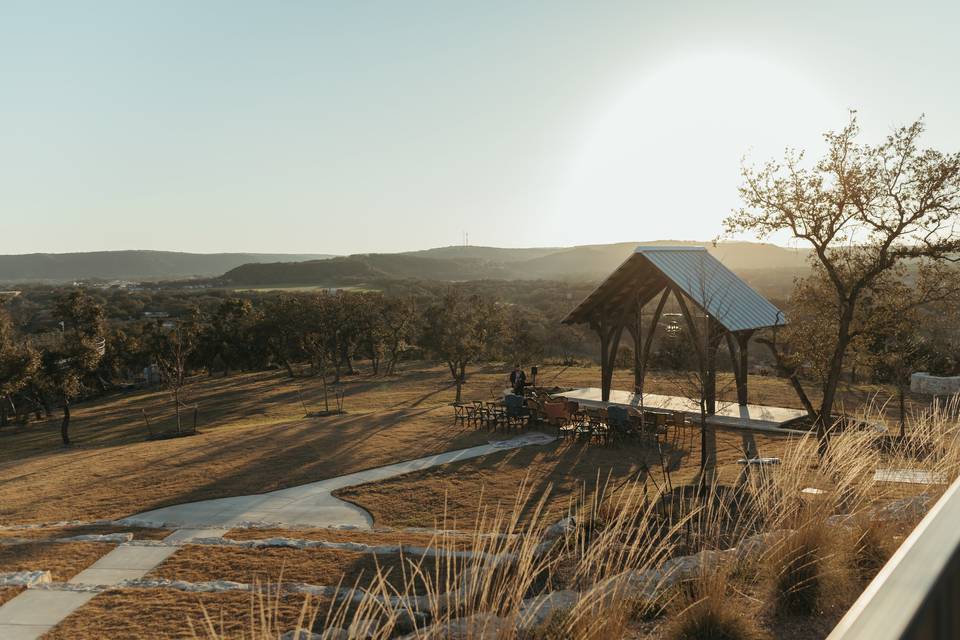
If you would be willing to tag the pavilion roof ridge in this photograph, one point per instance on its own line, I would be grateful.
(704, 279)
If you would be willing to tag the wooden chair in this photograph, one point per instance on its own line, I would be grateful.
(496, 415)
(557, 413)
(479, 414)
(619, 423)
(518, 415)
(460, 413)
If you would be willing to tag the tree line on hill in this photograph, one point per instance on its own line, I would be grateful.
(80, 348)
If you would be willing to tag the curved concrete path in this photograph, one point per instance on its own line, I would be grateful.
(312, 504)
(35, 611)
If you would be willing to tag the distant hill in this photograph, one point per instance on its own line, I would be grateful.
(130, 265)
(488, 254)
(583, 263)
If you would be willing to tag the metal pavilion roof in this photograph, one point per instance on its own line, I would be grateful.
(700, 276)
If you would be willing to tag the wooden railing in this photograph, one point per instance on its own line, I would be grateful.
(916, 596)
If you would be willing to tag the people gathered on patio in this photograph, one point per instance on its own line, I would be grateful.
(524, 405)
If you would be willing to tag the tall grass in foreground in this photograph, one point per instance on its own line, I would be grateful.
(808, 533)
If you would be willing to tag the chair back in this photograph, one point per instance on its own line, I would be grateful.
(513, 401)
(618, 416)
(555, 410)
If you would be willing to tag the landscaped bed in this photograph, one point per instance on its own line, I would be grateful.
(565, 469)
(8, 593)
(323, 567)
(162, 614)
(62, 559)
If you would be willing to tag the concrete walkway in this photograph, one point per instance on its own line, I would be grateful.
(35, 611)
(311, 504)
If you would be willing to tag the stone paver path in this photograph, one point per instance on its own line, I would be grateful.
(35, 611)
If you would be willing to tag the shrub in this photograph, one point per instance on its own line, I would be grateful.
(798, 570)
(871, 546)
(708, 614)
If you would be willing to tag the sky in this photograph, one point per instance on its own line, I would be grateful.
(361, 126)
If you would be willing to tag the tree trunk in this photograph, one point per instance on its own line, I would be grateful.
(457, 376)
(326, 400)
(289, 368)
(791, 376)
(391, 364)
(176, 400)
(832, 380)
(65, 424)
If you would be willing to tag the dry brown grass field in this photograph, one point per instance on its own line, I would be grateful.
(159, 614)
(62, 559)
(255, 437)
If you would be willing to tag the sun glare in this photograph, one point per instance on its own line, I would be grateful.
(662, 159)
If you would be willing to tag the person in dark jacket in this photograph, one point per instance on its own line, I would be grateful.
(519, 383)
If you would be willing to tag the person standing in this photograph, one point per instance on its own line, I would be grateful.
(520, 383)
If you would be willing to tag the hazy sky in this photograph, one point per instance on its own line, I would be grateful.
(382, 126)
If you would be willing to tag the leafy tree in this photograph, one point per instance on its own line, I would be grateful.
(461, 329)
(399, 328)
(280, 329)
(867, 212)
(19, 363)
(67, 362)
(524, 335)
(226, 339)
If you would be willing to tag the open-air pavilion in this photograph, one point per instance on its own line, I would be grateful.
(718, 309)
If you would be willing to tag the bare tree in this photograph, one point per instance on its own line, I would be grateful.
(866, 211)
(172, 352)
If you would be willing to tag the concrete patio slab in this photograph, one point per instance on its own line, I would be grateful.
(755, 417)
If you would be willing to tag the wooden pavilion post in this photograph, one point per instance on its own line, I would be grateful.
(610, 332)
(636, 332)
(711, 347)
(737, 345)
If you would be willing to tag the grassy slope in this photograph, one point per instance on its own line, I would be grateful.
(254, 439)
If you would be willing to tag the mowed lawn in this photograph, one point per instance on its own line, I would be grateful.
(256, 437)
